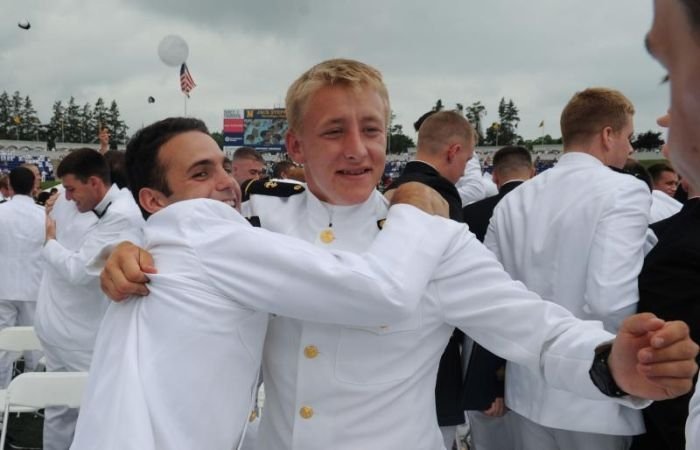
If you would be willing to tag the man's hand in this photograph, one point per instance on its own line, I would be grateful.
(48, 206)
(653, 359)
(50, 229)
(125, 272)
(497, 409)
(420, 196)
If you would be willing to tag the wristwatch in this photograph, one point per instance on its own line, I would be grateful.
(601, 375)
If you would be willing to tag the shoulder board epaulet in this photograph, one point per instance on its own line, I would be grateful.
(271, 188)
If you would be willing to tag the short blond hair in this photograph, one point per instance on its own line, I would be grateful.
(334, 72)
(440, 128)
(591, 110)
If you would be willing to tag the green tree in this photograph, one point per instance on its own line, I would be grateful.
(475, 113)
(5, 115)
(56, 128)
(87, 124)
(116, 126)
(438, 105)
(648, 140)
(71, 122)
(99, 114)
(14, 124)
(504, 132)
(218, 136)
(398, 141)
(29, 121)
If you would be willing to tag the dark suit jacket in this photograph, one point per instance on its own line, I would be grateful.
(485, 372)
(669, 286)
(448, 389)
(478, 214)
(426, 174)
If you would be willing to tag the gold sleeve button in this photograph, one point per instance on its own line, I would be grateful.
(311, 351)
(306, 412)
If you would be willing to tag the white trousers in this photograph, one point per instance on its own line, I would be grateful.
(532, 436)
(59, 422)
(490, 433)
(449, 434)
(15, 313)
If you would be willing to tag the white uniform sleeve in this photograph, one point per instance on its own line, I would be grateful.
(616, 256)
(692, 426)
(271, 272)
(74, 265)
(514, 323)
(470, 186)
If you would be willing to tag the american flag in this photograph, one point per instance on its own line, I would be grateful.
(186, 81)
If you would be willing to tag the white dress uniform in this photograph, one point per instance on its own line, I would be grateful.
(22, 231)
(663, 206)
(194, 346)
(575, 235)
(71, 304)
(692, 425)
(471, 186)
(349, 388)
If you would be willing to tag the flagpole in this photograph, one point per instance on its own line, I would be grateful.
(185, 105)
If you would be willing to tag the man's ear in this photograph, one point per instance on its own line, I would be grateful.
(452, 150)
(607, 135)
(294, 149)
(152, 200)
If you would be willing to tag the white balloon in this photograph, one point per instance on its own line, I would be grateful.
(173, 50)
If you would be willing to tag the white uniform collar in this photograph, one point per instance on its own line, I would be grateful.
(575, 158)
(101, 208)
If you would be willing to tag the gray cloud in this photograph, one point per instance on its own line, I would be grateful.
(245, 53)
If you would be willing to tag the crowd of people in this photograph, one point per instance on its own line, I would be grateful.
(561, 317)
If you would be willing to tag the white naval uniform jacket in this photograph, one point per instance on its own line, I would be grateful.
(575, 235)
(177, 370)
(22, 231)
(692, 425)
(373, 387)
(71, 304)
(663, 206)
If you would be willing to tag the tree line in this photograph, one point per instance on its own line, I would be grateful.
(69, 122)
(504, 130)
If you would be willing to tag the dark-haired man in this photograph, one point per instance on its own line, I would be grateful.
(71, 304)
(21, 239)
(197, 343)
(484, 385)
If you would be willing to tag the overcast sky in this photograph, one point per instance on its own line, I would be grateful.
(244, 54)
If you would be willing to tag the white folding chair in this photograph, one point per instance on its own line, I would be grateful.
(19, 339)
(36, 390)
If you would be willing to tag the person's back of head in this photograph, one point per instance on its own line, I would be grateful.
(417, 124)
(5, 186)
(637, 170)
(143, 168)
(117, 167)
(512, 163)
(37, 177)
(21, 181)
(281, 169)
(446, 141)
(599, 121)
